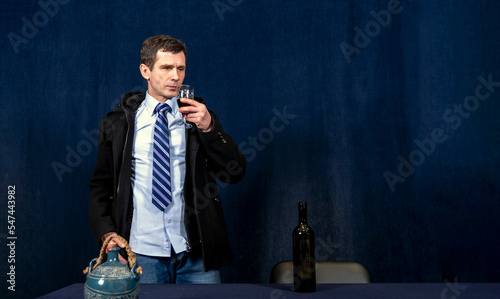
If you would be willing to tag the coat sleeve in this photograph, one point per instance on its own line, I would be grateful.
(102, 187)
(229, 163)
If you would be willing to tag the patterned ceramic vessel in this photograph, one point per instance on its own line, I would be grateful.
(112, 279)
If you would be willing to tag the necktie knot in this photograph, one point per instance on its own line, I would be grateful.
(162, 107)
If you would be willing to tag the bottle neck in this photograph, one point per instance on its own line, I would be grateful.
(112, 251)
(302, 213)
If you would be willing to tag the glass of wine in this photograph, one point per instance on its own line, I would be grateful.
(185, 91)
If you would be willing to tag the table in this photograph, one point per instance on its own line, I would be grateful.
(282, 291)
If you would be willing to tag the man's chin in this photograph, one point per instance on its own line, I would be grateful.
(169, 95)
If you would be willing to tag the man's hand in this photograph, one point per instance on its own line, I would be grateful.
(118, 242)
(197, 113)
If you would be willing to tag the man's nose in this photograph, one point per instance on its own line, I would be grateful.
(175, 75)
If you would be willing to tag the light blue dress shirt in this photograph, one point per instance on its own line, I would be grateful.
(155, 232)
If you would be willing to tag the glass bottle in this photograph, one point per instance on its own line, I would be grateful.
(304, 263)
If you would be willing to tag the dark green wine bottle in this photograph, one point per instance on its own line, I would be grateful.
(304, 263)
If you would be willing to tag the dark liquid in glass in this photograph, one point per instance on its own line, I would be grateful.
(181, 104)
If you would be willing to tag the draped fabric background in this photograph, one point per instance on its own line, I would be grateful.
(381, 115)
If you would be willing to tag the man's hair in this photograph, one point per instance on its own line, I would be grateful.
(165, 43)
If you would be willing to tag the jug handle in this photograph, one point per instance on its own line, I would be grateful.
(131, 256)
(91, 264)
(135, 272)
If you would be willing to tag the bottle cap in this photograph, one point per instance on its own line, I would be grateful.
(111, 244)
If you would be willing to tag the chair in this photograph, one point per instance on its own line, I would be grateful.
(326, 272)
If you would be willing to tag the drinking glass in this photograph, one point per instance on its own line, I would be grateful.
(185, 91)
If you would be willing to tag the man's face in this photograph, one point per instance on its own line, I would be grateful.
(166, 76)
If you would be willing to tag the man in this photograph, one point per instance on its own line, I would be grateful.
(176, 230)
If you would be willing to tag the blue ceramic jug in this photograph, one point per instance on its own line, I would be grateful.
(112, 279)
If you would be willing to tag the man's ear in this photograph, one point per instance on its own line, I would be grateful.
(145, 71)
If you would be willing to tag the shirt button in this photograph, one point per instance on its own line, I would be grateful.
(169, 222)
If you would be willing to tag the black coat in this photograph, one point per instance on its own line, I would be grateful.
(208, 155)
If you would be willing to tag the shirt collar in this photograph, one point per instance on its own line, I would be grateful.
(152, 102)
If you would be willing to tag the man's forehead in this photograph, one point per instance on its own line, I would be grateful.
(170, 58)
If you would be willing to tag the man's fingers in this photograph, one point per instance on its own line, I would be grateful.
(119, 243)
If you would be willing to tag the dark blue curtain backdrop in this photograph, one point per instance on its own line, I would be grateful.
(382, 115)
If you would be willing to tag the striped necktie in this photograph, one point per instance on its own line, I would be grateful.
(162, 195)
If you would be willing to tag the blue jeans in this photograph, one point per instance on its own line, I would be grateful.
(180, 268)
